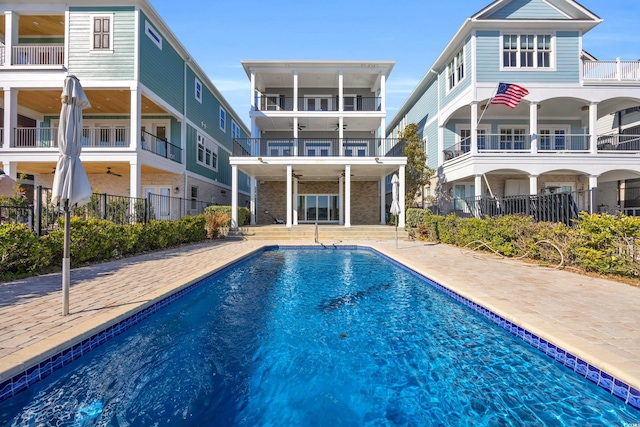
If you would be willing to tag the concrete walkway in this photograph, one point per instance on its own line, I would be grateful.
(595, 319)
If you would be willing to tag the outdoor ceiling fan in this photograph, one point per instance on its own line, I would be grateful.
(296, 175)
(344, 126)
(300, 127)
(112, 173)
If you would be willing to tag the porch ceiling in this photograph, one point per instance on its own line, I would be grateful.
(269, 171)
(38, 25)
(120, 168)
(316, 79)
(318, 123)
(113, 101)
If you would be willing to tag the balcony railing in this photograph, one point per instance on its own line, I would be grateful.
(564, 143)
(38, 55)
(318, 147)
(102, 137)
(161, 147)
(306, 103)
(603, 71)
(619, 142)
(1, 55)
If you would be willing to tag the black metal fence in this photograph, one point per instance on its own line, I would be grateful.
(42, 215)
(558, 207)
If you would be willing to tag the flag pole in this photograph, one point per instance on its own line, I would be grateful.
(486, 106)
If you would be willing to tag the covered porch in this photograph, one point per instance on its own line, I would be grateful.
(330, 190)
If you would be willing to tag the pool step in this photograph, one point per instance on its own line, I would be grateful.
(326, 233)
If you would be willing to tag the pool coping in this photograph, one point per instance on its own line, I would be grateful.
(42, 359)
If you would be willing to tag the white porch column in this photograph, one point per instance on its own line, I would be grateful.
(383, 96)
(533, 184)
(10, 36)
(403, 202)
(135, 121)
(134, 179)
(289, 193)
(295, 201)
(383, 201)
(474, 127)
(440, 144)
(234, 197)
(10, 169)
(533, 126)
(253, 93)
(347, 196)
(340, 135)
(252, 202)
(340, 93)
(10, 116)
(477, 186)
(593, 128)
(295, 91)
(593, 187)
(341, 200)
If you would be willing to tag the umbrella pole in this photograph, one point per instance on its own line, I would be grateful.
(66, 261)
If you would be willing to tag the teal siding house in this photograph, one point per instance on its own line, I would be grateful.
(157, 124)
(575, 130)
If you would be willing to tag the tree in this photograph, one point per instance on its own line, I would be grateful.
(417, 173)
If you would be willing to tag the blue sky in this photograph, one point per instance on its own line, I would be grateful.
(220, 33)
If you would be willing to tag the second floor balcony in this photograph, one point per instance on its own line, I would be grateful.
(95, 137)
(499, 144)
(318, 147)
(34, 55)
(597, 72)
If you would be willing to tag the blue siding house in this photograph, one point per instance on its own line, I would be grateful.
(573, 131)
(157, 124)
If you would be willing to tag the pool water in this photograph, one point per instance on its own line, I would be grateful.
(315, 338)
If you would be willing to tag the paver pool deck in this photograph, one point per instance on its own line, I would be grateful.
(595, 319)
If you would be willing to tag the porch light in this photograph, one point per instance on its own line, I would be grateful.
(377, 159)
(260, 159)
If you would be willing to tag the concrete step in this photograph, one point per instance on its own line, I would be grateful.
(325, 233)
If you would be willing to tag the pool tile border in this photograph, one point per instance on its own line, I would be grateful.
(39, 371)
(604, 380)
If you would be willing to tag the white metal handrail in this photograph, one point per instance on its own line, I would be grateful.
(38, 55)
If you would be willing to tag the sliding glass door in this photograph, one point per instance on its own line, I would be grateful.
(318, 208)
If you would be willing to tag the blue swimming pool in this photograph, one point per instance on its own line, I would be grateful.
(315, 337)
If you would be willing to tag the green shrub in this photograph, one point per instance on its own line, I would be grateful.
(21, 252)
(598, 243)
(415, 217)
(244, 214)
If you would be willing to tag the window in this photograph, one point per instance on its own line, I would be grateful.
(152, 34)
(513, 139)
(235, 130)
(207, 153)
(102, 33)
(223, 120)
(526, 51)
(455, 71)
(552, 139)
(198, 90)
(318, 103)
(194, 198)
(273, 102)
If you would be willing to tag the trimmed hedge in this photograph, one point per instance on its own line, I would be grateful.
(24, 254)
(603, 244)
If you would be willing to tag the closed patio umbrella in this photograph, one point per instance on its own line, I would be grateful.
(395, 203)
(70, 183)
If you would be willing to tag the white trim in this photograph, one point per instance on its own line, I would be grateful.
(535, 67)
(92, 18)
(209, 152)
(456, 66)
(197, 92)
(153, 34)
(222, 119)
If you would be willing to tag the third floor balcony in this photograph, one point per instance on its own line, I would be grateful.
(317, 103)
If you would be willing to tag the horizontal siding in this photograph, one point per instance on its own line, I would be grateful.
(567, 70)
(527, 9)
(85, 64)
(425, 108)
(431, 132)
(447, 96)
(161, 70)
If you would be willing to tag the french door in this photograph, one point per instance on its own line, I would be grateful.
(318, 208)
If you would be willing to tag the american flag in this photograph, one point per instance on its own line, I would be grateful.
(509, 94)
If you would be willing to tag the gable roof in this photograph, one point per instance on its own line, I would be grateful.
(507, 15)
